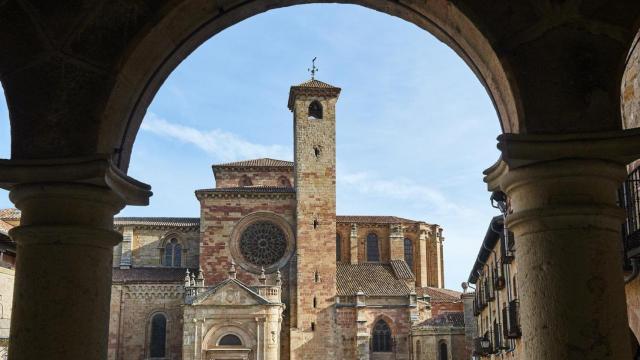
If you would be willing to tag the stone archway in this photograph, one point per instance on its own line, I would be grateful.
(78, 77)
(152, 58)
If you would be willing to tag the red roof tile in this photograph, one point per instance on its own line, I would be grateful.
(443, 295)
(374, 279)
(263, 162)
(373, 219)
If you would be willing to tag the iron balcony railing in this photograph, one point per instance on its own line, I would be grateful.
(629, 198)
(511, 320)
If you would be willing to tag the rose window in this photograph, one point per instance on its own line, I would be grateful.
(263, 243)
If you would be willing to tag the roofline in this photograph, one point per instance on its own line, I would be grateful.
(490, 240)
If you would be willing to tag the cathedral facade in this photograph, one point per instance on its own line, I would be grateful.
(268, 270)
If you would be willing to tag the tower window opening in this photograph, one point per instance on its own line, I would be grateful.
(316, 151)
(245, 181)
(316, 276)
(373, 250)
(315, 302)
(315, 223)
(313, 326)
(338, 247)
(315, 110)
(283, 181)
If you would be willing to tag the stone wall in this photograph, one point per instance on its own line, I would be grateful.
(147, 246)
(427, 341)
(132, 306)
(262, 177)
(6, 299)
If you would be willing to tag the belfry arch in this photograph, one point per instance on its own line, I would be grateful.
(78, 80)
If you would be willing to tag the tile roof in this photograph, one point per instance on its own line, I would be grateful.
(10, 214)
(450, 319)
(158, 274)
(371, 278)
(5, 227)
(443, 295)
(402, 270)
(263, 162)
(252, 189)
(313, 83)
(375, 219)
(157, 221)
(312, 87)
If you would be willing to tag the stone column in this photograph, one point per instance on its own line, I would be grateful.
(421, 266)
(353, 243)
(562, 192)
(396, 242)
(65, 247)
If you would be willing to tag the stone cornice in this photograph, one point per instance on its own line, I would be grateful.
(622, 146)
(95, 170)
(520, 150)
(244, 195)
(183, 229)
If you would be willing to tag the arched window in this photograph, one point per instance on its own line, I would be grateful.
(373, 251)
(381, 337)
(173, 253)
(443, 353)
(315, 110)
(408, 253)
(230, 340)
(338, 247)
(158, 338)
(245, 181)
(283, 181)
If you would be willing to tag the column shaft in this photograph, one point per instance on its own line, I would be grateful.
(570, 280)
(63, 271)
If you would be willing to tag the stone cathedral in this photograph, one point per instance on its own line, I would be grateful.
(269, 271)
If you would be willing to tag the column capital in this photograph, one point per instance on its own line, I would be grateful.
(96, 170)
(522, 150)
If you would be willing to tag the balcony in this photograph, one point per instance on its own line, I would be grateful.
(511, 320)
(629, 198)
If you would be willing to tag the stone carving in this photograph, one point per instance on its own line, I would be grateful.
(263, 243)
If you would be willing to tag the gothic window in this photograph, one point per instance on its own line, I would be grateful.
(373, 250)
(444, 354)
(283, 181)
(338, 247)
(315, 110)
(158, 338)
(245, 181)
(230, 340)
(408, 253)
(263, 243)
(173, 253)
(381, 337)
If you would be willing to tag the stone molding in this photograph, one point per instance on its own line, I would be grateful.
(156, 291)
(95, 170)
(244, 195)
(241, 225)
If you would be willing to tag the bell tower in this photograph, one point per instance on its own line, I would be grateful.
(313, 326)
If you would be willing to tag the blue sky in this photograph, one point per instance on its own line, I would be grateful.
(415, 128)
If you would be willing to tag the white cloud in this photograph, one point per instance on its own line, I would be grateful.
(402, 189)
(223, 145)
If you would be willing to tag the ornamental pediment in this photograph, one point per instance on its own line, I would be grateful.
(229, 293)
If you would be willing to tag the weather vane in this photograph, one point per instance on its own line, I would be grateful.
(313, 69)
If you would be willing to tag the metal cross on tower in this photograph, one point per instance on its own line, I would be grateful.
(313, 69)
